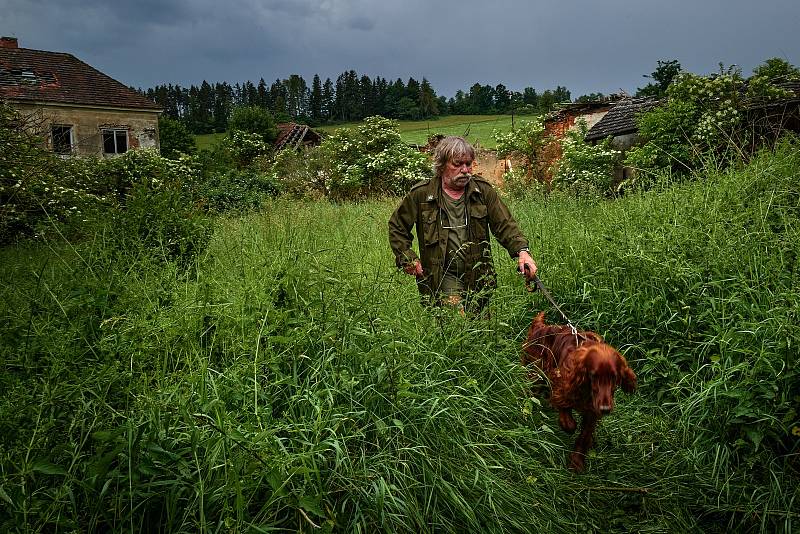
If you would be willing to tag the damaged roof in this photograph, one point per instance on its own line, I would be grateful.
(621, 119)
(291, 134)
(579, 108)
(792, 88)
(40, 76)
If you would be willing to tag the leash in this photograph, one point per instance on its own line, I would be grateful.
(546, 293)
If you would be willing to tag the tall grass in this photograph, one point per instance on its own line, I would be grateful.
(288, 379)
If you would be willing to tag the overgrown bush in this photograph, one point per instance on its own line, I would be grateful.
(174, 138)
(253, 120)
(585, 169)
(370, 159)
(38, 189)
(704, 119)
(525, 143)
(235, 190)
(155, 208)
(244, 147)
(297, 173)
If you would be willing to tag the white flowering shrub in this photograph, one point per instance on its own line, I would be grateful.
(37, 188)
(584, 168)
(244, 147)
(370, 159)
(704, 117)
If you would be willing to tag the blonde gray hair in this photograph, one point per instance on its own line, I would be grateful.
(451, 148)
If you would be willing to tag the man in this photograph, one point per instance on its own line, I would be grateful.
(454, 213)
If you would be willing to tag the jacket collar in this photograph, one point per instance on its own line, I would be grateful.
(435, 192)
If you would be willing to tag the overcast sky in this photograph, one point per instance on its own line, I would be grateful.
(585, 45)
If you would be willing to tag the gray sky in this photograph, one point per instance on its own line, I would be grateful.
(585, 45)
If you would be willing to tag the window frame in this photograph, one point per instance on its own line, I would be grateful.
(70, 147)
(114, 132)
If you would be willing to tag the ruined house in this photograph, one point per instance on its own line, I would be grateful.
(769, 118)
(78, 109)
(292, 135)
(620, 125)
(557, 123)
(620, 122)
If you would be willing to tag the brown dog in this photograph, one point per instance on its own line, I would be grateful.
(583, 372)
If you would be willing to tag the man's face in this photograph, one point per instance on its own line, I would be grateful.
(457, 173)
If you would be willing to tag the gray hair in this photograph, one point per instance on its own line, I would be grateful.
(449, 149)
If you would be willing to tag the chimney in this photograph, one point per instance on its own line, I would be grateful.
(8, 42)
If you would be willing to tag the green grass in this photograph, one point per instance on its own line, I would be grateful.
(207, 141)
(289, 378)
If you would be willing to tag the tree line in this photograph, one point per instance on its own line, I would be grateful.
(207, 108)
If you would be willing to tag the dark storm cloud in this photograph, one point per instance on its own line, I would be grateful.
(360, 23)
(585, 45)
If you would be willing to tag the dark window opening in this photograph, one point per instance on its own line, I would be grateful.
(62, 139)
(115, 141)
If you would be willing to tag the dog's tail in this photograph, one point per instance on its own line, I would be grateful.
(539, 319)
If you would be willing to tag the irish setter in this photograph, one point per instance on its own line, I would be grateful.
(583, 372)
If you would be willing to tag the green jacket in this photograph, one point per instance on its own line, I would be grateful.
(423, 207)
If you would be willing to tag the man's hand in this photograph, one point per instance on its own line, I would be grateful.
(526, 265)
(415, 268)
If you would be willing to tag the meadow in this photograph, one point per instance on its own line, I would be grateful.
(286, 378)
(477, 128)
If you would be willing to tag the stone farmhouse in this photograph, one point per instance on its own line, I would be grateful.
(78, 109)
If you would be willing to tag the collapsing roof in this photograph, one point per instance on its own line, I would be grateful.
(292, 135)
(37, 76)
(621, 119)
(573, 109)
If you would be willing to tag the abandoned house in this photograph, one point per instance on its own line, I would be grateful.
(620, 125)
(293, 135)
(557, 123)
(78, 109)
(620, 122)
(769, 118)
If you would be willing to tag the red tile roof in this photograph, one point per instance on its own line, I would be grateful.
(36, 75)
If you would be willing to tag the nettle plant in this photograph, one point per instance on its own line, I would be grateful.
(585, 168)
(370, 159)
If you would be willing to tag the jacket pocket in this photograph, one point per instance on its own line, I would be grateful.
(479, 222)
(430, 234)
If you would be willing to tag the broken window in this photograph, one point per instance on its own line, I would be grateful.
(115, 141)
(61, 137)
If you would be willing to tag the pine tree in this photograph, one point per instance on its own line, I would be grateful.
(428, 104)
(315, 100)
(328, 100)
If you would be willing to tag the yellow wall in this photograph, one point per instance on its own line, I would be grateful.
(87, 123)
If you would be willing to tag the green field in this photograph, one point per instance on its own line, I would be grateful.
(208, 140)
(287, 379)
(478, 128)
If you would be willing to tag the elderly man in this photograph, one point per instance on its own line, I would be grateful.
(454, 213)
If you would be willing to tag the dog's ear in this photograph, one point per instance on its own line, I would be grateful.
(625, 376)
(577, 372)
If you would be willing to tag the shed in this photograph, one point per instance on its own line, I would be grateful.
(293, 135)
